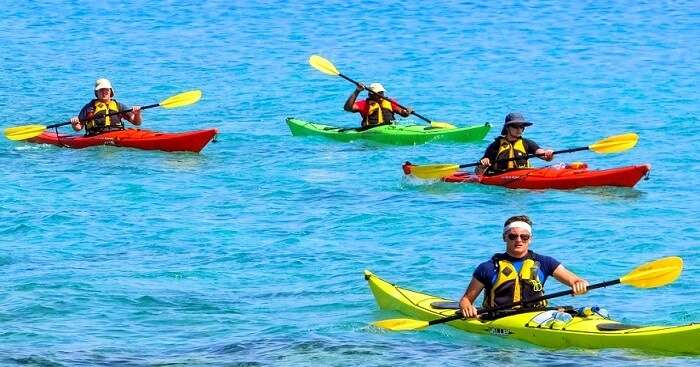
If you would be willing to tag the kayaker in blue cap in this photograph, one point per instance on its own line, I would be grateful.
(517, 274)
(375, 110)
(93, 113)
(511, 144)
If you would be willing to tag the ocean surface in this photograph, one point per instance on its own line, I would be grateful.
(252, 252)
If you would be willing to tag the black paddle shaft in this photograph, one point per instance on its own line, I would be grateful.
(526, 157)
(535, 300)
(109, 114)
(370, 92)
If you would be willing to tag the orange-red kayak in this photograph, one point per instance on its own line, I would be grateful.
(571, 176)
(188, 141)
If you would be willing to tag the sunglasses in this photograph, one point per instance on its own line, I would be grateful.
(517, 126)
(523, 237)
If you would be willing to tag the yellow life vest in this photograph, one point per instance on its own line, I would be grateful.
(508, 150)
(99, 121)
(513, 286)
(378, 112)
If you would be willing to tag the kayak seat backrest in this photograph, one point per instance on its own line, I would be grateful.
(615, 327)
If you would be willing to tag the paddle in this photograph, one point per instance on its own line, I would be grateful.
(650, 275)
(29, 131)
(325, 66)
(611, 144)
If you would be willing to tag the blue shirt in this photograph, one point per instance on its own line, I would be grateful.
(486, 271)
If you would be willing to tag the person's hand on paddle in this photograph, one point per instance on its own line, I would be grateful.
(485, 162)
(407, 111)
(579, 287)
(547, 154)
(467, 308)
(360, 87)
(76, 124)
(136, 115)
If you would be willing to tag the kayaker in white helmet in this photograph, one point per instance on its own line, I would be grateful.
(511, 144)
(517, 274)
(93, 115)
(376, 109)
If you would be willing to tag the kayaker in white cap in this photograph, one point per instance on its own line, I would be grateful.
(511, 144)
(376, 109)
(93, 115)
(517, 274)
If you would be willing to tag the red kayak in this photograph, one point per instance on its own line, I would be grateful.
(188, 141)
(572, 176)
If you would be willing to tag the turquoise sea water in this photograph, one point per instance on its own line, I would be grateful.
(252, 252)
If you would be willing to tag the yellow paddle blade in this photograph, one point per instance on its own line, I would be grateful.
(24, 132)
(434, 171)
(655, 274)
(401, 324)
(182, 99)
(323, 65)
(615, 143)
(442, 125)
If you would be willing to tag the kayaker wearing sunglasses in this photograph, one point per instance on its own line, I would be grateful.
(511, 144)
(518, 274)
(93, 118)
(375, 110)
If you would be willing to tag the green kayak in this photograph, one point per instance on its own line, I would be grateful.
(390, 134)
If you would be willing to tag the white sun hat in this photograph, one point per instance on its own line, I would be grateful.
(376, 88)
(102, 83)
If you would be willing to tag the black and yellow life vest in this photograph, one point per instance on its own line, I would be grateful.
(508, 150)
(378, 113)
(99, 121)
(513, 286)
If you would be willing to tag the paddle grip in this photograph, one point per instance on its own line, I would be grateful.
(109, 114)
(604, 284)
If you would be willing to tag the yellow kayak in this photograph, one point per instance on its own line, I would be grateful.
(591, 331)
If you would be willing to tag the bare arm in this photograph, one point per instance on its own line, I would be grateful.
(578, 285)
(349, 104)
(466, 304)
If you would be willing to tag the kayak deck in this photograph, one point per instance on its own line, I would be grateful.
(594, 331)
(390, 134)
(189, 141)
